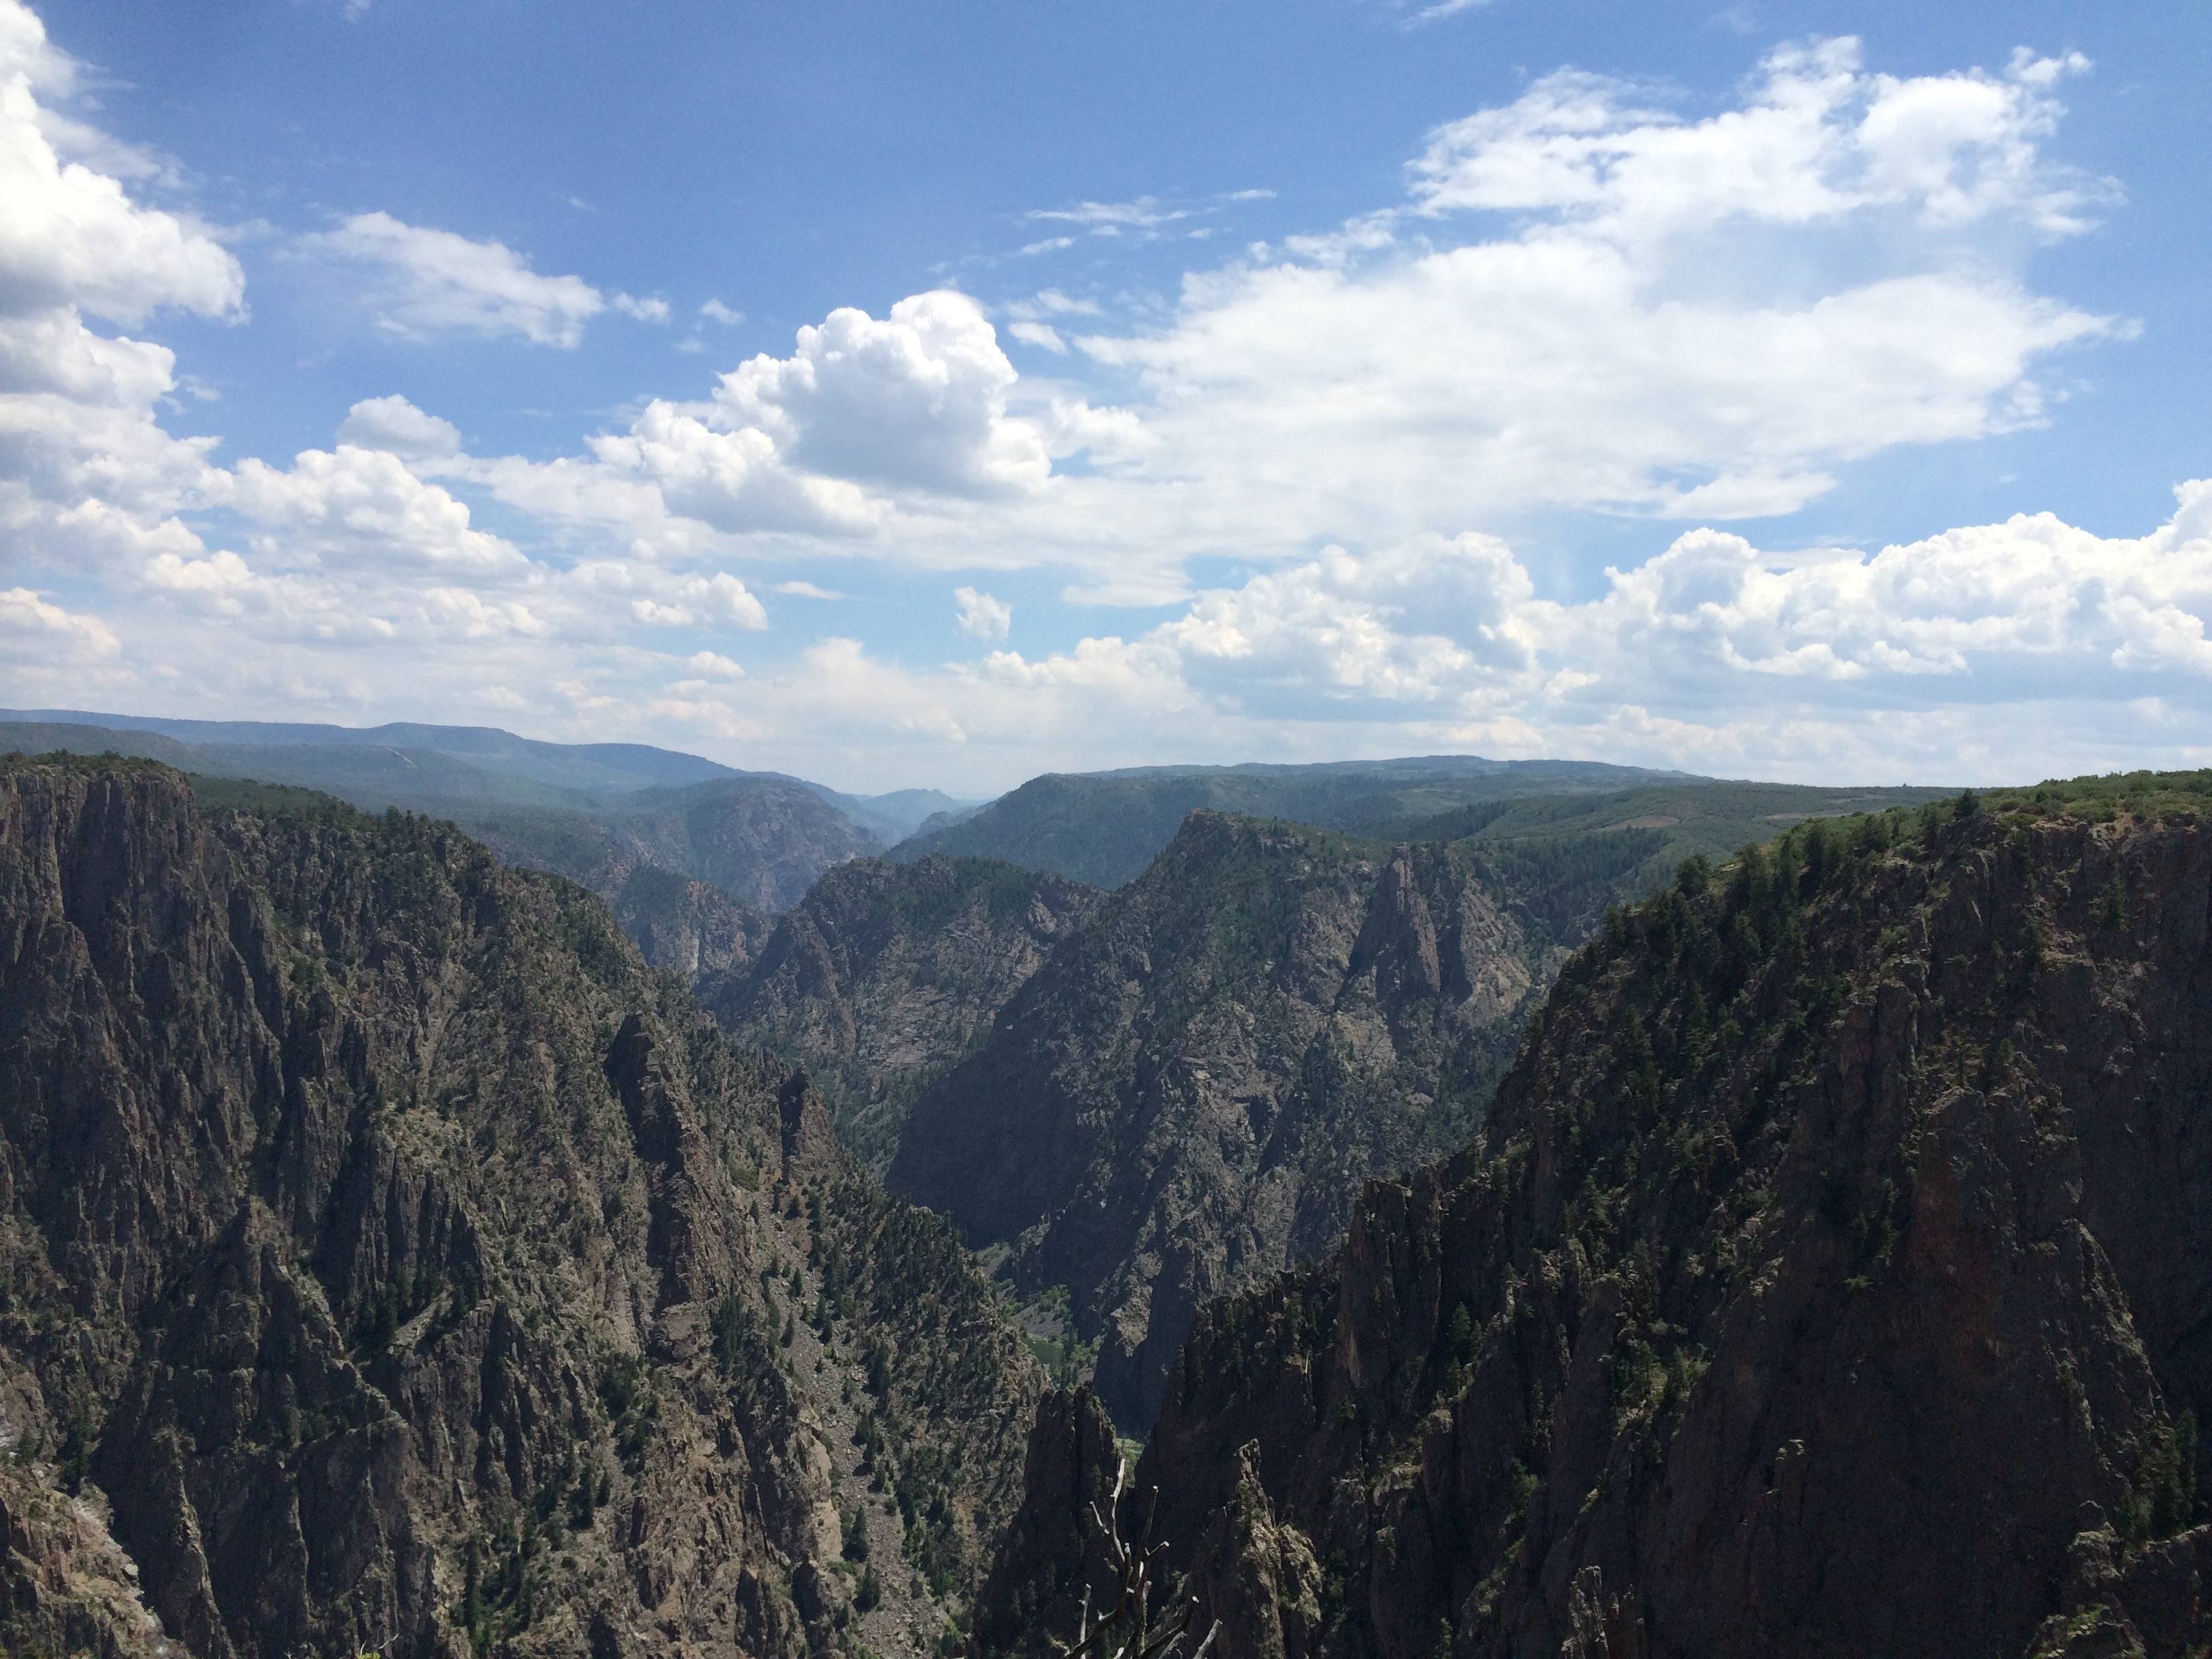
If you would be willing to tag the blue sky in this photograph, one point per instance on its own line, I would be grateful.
(908, 395)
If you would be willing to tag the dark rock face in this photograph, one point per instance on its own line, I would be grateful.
(1052, 1550)
(1184, 1098)
(692, 874)
(885, 973)
(1831, 1279)
(690, 927)
(403, 1261)
(765, 840)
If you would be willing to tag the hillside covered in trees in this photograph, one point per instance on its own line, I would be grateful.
(1828, 1279)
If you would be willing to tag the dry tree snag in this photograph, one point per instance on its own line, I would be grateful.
(1128, 1629)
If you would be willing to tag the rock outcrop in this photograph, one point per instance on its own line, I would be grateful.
(695, 873)
(1831, 1277)
(1185, 1098)
(688, 926)
(886, 974)
(389, 1260)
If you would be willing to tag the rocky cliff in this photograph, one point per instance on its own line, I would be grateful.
(691, 927)
(1832, 1277)
(388, 1260)
(886, 974)
(762, 841)
(1185, 1098)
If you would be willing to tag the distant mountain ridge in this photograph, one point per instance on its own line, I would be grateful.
(579, 771)
(583, 768)
(692, 854)
(1103, 828)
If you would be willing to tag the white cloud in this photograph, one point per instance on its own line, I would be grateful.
(355, 504)
(733, 480)
(915, 401)
(1144, 213)
(23, 612)
(70, 236)
(78, 419)
(80, 442)
(715, 312)
(1935, 659)
(469, 614)
(392, 423)
(979, 616)
(427, 282)
(1039, 334)
(1663, 324)
(865, 419)
(1442, 10)
(1051, 302)
(806, 591)
(703, 600)
(1819, 138)
(646, 311)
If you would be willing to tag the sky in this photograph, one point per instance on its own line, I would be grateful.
(938, 395)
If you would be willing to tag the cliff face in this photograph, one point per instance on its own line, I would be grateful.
(694, 874)
(404, 1267)
(764, 840)
(1832, 1277)
(1185, 1098)
(690, 927)
(885, 973)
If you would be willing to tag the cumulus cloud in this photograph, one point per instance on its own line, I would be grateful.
(82, 450)
(395, 425)
(867, 416)
(79, 418)
(24, 613)
(1819, 137)
(1983, 614)
(981, 616)
(721, 598)
(1650, 330)
(916, 400)
(363, 505)
(71, 236)
(736, 480)
(1711, 651)
(424, 282)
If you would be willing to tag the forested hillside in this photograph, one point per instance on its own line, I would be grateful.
(1102, 829)
(1830, 1278)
